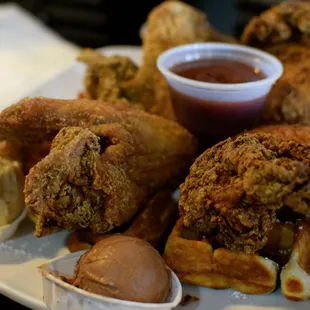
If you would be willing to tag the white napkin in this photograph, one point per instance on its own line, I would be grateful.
(30, 54)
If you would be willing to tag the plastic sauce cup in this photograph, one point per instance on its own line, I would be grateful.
(216, 109)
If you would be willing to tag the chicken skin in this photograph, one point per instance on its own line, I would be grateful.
(105, 163)
(170, 24)
(284, 31)
(105, 75)
(234, 189)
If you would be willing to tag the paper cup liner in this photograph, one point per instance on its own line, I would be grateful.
(7, 231)
(59, 295)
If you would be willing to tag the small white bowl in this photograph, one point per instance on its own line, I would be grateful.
(233, 95)
(7, 231)
(59, 295)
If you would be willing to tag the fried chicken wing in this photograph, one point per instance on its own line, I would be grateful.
(170, 24)
(284, 31)
(38, 120)
(235, 188)
(97, 177)
(153, 224)
(26, 155)
(104, 75)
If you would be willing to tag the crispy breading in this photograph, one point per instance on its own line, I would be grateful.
(104, 173)
(105, 74)
(234, 188)
(297, 133)
(153, 224)
(170, 24)
(284, 31)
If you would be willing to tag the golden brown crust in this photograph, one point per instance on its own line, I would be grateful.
(297, 133)
(154, 223)
(170, 24)
(278, 24)
(234, 188)
(105, 75)
(75, 242)
(284, 31)
(125, 157)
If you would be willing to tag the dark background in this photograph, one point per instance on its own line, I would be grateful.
(95, 23)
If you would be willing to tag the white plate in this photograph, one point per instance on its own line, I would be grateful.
(20, 257)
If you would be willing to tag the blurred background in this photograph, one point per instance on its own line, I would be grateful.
(95, 23)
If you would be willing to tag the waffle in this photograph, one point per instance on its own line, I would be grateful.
(295, 276)
(196, 262)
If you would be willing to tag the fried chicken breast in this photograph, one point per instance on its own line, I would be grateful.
(234, 189)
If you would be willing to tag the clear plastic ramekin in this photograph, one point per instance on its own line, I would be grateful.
(224, 109)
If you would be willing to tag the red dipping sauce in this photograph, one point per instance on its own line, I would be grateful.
(220, 71)
(216, 118)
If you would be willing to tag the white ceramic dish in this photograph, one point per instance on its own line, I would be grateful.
(20, 257)
(60, 295)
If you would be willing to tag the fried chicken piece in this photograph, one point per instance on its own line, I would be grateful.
(284, 31)
(297, 133)
(97, 177)
(104, 75)
(170, 24)
(11, 152)
(155, 222)
(94, 180)
(33, 153)
(235, 188)
(37, 120)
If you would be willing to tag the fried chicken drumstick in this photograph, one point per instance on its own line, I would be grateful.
(234, 189)
(170, 24)
(105, 161)
(284, 31)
